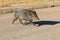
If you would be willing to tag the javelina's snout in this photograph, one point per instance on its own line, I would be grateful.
(25, 14)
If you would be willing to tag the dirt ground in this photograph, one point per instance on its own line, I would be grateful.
(48, 29)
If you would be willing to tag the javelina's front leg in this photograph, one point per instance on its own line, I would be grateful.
(31, 21)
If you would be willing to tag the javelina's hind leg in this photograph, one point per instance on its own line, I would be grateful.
(14, 19)
(20, 20)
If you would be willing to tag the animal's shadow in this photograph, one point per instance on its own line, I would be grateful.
(46, 22)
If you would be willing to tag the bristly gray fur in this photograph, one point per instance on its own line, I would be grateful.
(25, 14)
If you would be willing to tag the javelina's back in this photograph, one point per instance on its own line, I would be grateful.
(27, 14)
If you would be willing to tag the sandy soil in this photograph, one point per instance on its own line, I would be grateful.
(49, 26)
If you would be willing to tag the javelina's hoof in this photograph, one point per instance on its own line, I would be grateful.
(25, 23)
(36, 25)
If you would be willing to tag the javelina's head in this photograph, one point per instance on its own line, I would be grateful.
(34, 15)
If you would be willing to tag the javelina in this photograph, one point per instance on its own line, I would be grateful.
(25, 14)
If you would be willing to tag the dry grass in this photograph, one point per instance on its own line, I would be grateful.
(25, 4)
(28, 2)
